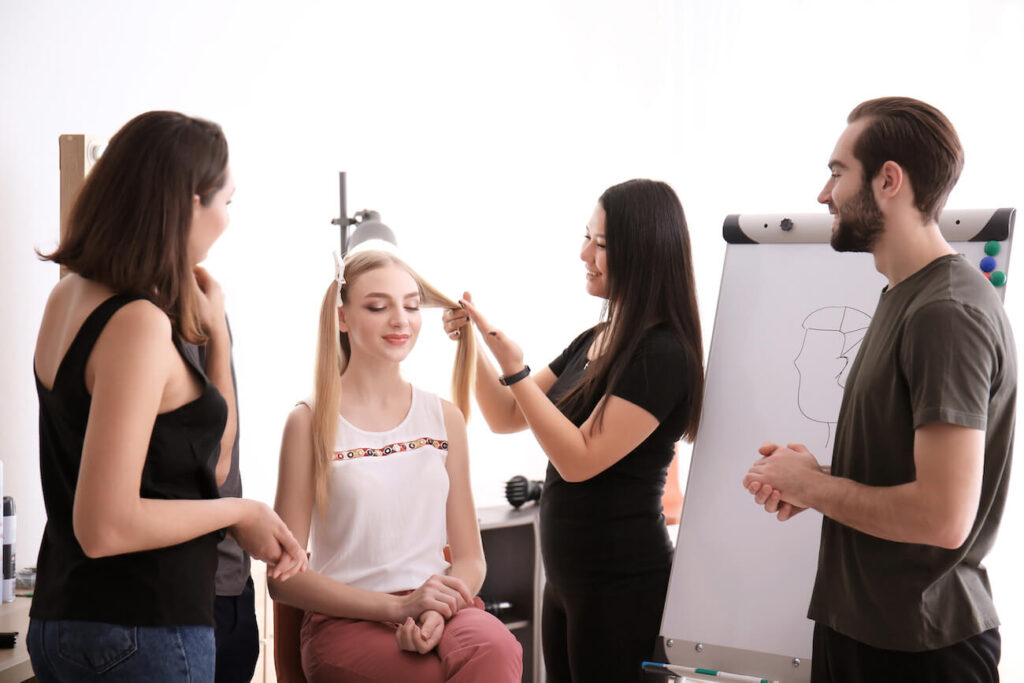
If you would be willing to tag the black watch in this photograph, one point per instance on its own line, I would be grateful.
(509, 380)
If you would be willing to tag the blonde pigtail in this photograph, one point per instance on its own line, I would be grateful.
(464, 371)
(330, 364)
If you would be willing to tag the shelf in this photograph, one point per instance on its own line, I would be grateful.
(511, 541)
(516, 625)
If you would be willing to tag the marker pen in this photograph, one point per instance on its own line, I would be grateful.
(658, 667)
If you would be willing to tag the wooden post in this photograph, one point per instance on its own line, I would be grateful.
(78, 153)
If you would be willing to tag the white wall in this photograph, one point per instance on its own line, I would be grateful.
(483, 133)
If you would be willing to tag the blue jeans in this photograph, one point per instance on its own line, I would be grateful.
(94, 651)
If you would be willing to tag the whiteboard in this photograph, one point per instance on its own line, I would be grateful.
(791, 314)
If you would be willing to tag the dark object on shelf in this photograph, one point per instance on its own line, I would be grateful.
(497, 608)
(519, 490)
(7, 639)
(25, 579)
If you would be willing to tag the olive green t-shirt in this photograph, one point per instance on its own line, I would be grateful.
(939, 349)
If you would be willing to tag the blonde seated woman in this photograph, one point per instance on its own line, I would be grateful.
(376, 472)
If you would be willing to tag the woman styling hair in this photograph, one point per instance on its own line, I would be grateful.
(132, 433)
(607, 412)
(375, 472)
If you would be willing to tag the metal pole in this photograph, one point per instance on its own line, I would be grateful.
(343, 216)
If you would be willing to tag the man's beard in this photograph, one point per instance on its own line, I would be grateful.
(860, 222)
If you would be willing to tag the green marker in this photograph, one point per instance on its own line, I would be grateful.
(998, 278)
(992, 247)
(658, 667)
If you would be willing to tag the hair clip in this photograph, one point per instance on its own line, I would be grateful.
(339, 274)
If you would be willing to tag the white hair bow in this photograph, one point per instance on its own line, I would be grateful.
(339, 274)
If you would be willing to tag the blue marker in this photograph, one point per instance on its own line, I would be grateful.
(658, 667)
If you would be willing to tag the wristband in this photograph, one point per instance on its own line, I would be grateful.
(509, 380)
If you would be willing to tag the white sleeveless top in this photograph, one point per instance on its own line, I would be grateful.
(385, 523)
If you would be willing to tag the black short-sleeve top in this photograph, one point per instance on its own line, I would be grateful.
(611, 525)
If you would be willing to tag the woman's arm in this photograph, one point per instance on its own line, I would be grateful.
(497, 404)
(130, 367)
(578, 453)
(314, 591)
(463, 530)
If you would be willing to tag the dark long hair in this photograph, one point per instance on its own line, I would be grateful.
(129, 226)
(650, 282)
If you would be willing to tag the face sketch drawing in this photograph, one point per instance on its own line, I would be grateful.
(832, 336)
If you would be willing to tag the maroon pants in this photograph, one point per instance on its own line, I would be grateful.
(475, 647)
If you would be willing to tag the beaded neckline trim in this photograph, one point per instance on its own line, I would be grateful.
(399, 447)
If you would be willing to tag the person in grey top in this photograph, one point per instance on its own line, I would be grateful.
(236, 632)
(921, 462)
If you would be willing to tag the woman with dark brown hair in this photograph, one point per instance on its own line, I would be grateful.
(607, 412)
(133, 435)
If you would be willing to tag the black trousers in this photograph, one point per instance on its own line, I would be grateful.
(838, 659)
(597, 633)
(237, 635)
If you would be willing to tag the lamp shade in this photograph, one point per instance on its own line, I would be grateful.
(368, 227)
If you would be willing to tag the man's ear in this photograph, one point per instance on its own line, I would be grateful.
(891, 179)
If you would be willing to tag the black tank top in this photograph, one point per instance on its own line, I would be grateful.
(166, 586)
